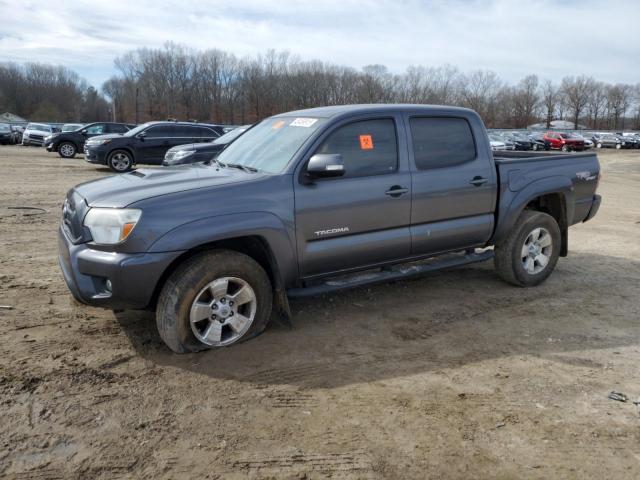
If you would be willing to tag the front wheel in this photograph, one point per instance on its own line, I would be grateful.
(530, 252)
(618, 146)
(67, 150)
(598, 145)
(214, 299)
(120, 161)
(565, 148)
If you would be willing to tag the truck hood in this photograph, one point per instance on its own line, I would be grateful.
(119, 191)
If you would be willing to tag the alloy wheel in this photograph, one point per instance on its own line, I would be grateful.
(536, 251)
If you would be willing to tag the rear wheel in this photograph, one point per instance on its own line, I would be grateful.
(598, 145)
(530, 252)
(120, 161)
(213, 299)
(618, 146)
(565, 148)
(67, 150)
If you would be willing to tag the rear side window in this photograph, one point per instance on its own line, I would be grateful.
(441, 142)
(368, 148)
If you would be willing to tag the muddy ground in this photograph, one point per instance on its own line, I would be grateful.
(455, 375)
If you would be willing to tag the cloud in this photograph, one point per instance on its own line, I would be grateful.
(514, 39)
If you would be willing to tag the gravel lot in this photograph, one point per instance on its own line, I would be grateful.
(453, 375)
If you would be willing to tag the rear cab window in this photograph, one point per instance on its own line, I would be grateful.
(368, 147)
(440, 142)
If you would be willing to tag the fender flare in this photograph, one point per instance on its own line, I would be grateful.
(513, 203)
(265, 225)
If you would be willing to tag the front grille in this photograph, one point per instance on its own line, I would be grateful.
(73, 212)
(36, 137)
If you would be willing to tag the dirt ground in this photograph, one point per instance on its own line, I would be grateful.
(455, 375)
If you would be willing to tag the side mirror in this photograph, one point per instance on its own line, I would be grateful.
(84, 131)
(325, 165)
(141, 135)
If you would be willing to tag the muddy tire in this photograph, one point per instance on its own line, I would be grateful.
(528, 255)
(213, 299)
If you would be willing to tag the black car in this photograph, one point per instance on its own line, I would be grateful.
(146, 143)
(520, 140)
(6, 134)
(201, 152)
(67, 144)
(538, 142)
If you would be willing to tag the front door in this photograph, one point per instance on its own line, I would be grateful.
(361, 218)
(454, 186)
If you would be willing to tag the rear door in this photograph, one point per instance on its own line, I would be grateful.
(361, 218)
(117, 128)
(454, 185)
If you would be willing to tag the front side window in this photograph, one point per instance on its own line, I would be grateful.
(441, 142)
(162, 131)
(369, 147)
(97, 129)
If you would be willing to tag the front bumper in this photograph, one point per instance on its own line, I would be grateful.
(133, 276)
(95, 155)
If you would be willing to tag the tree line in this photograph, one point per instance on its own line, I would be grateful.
(213, 85)
(48, 93)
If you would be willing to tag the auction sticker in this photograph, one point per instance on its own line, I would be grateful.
(303, 122)
(366, 142)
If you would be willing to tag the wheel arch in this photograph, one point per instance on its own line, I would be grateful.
(551, 195)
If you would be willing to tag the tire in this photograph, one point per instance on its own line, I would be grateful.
(565, 148)
(187, 295)
(67, 150)
(509, 260)
(598, 145)
(618, 146)
(120, 161)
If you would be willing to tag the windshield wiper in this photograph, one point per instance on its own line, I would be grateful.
(239, 166)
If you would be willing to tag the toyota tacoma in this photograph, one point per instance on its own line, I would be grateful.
(312, 201)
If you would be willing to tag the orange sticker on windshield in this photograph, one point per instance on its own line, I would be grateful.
(278, 125)
(366, 142)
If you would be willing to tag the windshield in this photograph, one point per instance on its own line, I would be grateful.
(230, 136)
(270, 145)
(134, 131)
(39, 126)
(4, 127)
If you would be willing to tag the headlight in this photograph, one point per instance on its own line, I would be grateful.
(99, 142)
(180, 154)
(47, 139)
(109, 226)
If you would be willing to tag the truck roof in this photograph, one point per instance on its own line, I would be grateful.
(337, 110)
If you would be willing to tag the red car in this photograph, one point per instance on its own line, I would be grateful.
(563, 141)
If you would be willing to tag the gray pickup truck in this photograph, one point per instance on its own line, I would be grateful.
(313, 201)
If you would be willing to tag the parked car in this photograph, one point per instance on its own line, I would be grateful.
(6, 135)
(304, 202)
(607, 140)
(588, 143)
(70, 127)
(519, 140)
(566, 142)
(35, 133)
(146, 143)
(538, 142)
(17, 133)
(68, 144)
(629, 141)
(496, 142)
(201, 152)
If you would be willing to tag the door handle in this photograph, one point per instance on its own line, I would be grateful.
(478, 180)
(396, 191)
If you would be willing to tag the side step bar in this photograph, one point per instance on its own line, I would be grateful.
(390, 273)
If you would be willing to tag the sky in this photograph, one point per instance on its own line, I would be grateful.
(552, 39)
